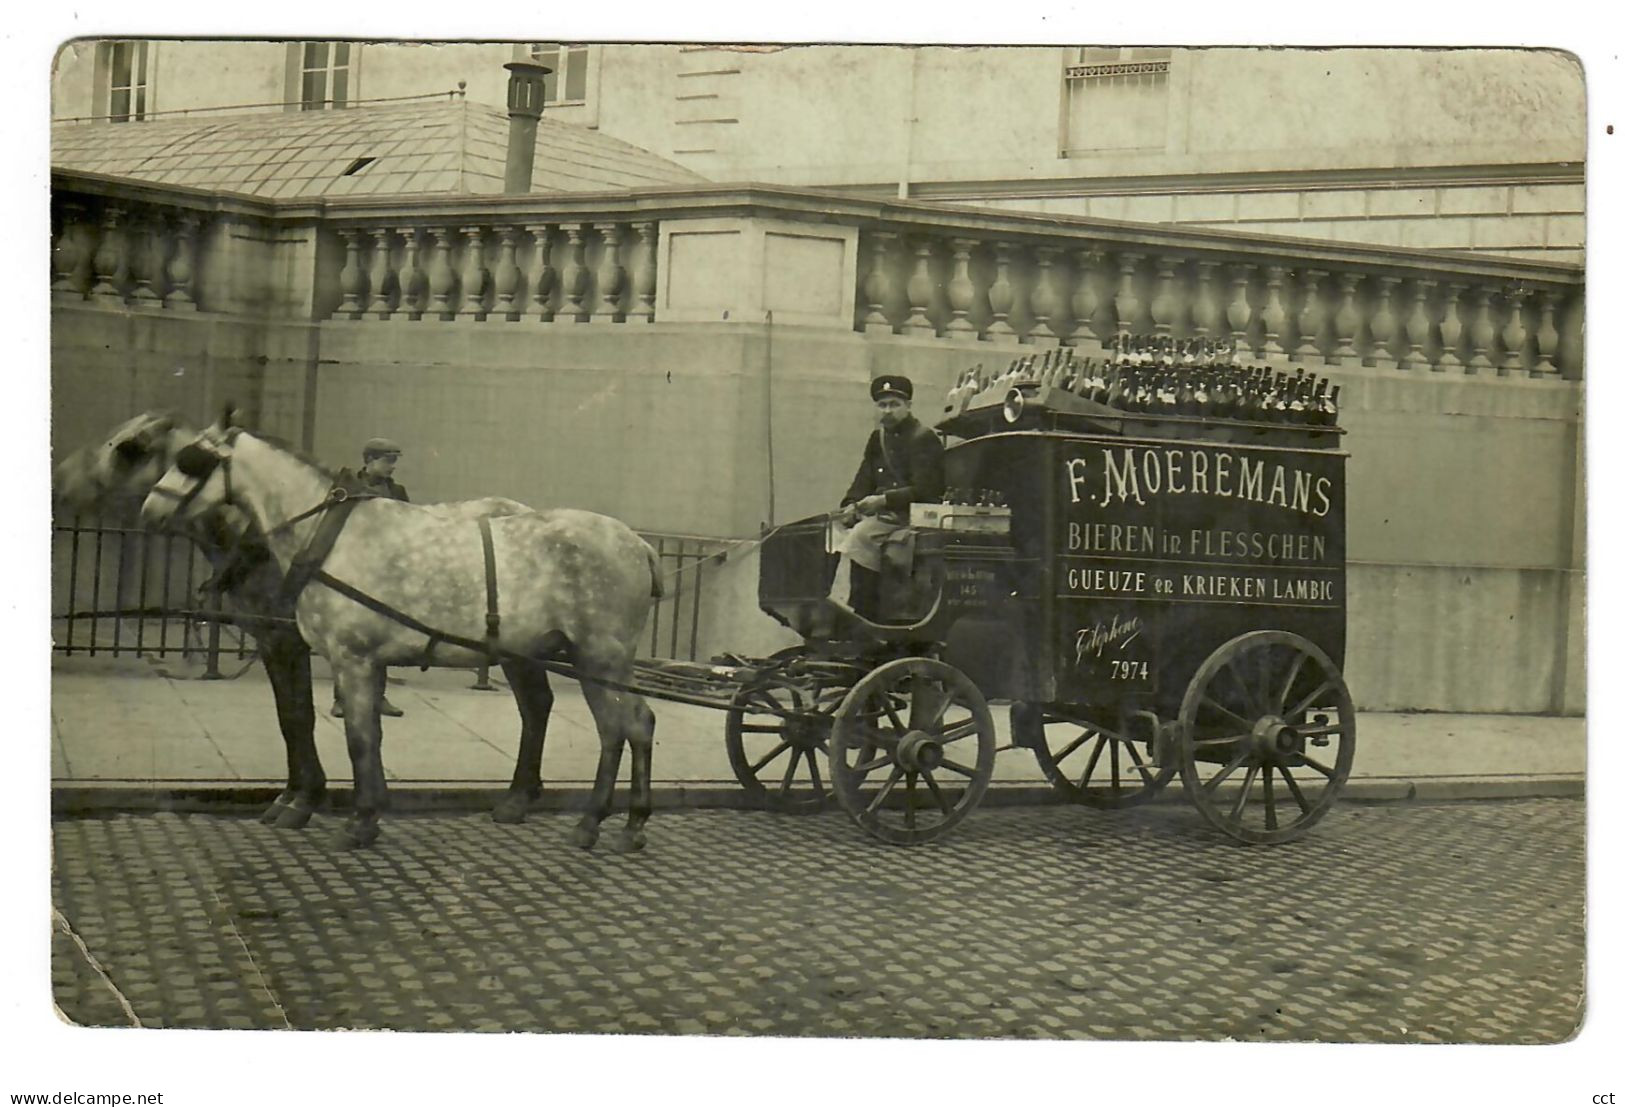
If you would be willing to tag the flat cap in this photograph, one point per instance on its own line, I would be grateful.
(891, 385)
(377, 447)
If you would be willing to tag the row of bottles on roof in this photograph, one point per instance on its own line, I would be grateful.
(1158, 374)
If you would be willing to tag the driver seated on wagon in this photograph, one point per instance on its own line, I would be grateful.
(902, 464)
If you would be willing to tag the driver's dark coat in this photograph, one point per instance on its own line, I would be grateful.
(913, 474)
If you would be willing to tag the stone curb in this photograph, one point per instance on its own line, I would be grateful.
(81, 798)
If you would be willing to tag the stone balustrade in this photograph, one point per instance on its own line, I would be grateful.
(1322, 304)
(741, 254)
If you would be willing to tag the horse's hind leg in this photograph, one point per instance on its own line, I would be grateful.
(609, 711)
(535, 699)
(357, 681)
(641, 735)
(287, 663)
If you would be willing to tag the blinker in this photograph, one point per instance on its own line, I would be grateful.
(130, 451)
(195, 461)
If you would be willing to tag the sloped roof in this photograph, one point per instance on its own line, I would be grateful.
(426, 146)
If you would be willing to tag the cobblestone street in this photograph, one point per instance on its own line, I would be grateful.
(1426, 923)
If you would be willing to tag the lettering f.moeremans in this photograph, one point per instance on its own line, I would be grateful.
(1128, 474)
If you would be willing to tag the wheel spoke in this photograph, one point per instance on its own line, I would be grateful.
(866, 767)
(1246, 790)
(956, 767)
(1223, 774)
(1303, 704)
(780, 748)
(1269, 799)
(1318, 731)
(896, 720)
(885, 790)
(1094, 759)
(958, 731)
(812, 769)
(908, 801)
(1134, 755)
(1223, 710)
(936, 791)
(1315, 765)
(1220, 741)
(760, 728)
(1073, 748)
(1246, 689)
(929, 704)
(789, 774)
(1291, 678)
(1117, 776)
(1297, 793)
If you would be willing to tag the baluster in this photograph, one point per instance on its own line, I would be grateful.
(877, 286)
(1546, 334)
(411, 276)
(1450, 331)
(1127, 303)
(1346, 323)
(1483, 333)
(182, 268)
(1043, 299)
(68, 255)
(1085, 299)
(644, 281)
(611, 276)
(1164, 305)
(475, 276)
(1273, 314)
(962, 291)
(920, 288)
(1384, 326)
(1204, 306)
(506, 278)
(350, 276)
(1418, 327)
(574, 280)
(547, 277)
(146, 261)
(378, 275)
(108, 261)
(1513, 335)
(1001, 296)
(442, 278)
(1311, 317)
(1239, 313)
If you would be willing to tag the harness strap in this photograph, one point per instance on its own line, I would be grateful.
(308, 561)
(493, 618)
(320, 576)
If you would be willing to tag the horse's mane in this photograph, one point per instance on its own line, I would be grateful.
(282, 445)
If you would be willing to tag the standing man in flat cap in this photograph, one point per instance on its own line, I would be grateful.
(902, 463)
(376, 476)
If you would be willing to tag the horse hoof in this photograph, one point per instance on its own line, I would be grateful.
(356, 835)
(630, 841)
(273, 814)
(510, 809)
(583, 837)
(295, 816)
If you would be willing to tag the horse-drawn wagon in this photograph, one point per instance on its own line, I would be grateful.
(1152, 594)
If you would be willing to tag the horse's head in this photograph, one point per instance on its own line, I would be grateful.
(198, 480)
(125, 465)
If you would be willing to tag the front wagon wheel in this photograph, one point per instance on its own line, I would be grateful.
(1266, 736)
(912, 750)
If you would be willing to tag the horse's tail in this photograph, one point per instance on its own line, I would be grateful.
(656, 588)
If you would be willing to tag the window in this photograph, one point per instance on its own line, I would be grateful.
(324, 75)
(1117, 98)
(126, 81)
(569, 66)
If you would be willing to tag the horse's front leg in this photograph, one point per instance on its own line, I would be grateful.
(357, 681)
(287, 663)
(534, 696)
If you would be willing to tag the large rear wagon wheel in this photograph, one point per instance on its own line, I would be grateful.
(777, 738)
(1087, 762)
(912, 750)
(1266, 736)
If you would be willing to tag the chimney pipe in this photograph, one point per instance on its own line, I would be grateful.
(526, 93)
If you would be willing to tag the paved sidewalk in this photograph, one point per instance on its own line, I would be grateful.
(120, 726)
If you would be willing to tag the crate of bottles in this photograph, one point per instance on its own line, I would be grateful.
(982, 512)
(1151, 385)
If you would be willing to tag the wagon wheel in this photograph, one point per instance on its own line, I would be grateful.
(912, 750)
(1266, 736)
(779, 755)
(1087, 763)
